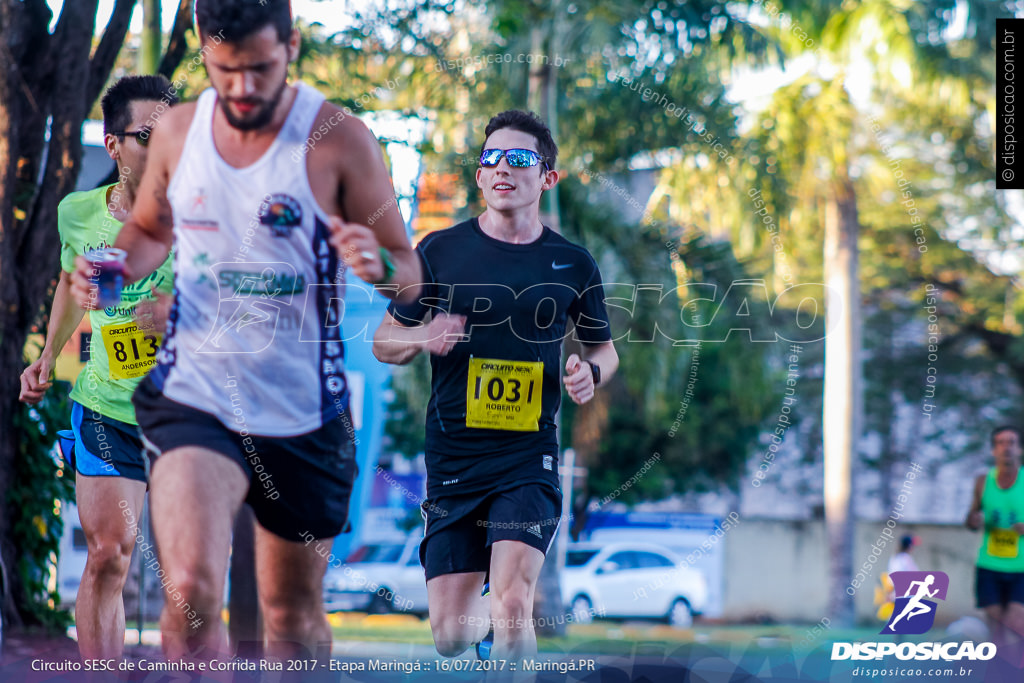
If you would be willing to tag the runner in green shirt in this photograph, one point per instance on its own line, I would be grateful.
(108, 455)
(997, 508)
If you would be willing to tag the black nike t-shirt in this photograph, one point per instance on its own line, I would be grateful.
(491, 415)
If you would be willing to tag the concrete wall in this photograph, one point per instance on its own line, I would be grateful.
(778, 569)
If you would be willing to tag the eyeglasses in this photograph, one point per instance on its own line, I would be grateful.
(141, 136)
(516, 158)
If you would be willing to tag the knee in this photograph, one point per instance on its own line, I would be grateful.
(450, 648)
(109, 559)
(451, 635)
(1014, 620)
(293, 619)
(513, 603)
(198, 587)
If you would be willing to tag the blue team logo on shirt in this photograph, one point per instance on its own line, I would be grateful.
(281, 213)
(913, 613)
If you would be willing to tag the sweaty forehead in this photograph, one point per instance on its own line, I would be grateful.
(507, 138)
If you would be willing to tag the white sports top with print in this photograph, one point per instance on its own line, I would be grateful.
(254, 335)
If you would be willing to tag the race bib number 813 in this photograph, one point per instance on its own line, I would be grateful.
(504, 394)
(131, 352)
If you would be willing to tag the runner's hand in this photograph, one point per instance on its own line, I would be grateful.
(83, 290)
(976, 520)
(358, 248)
(579, 380)
(35, 380)
(151, 314)
(444, 331)
(1019, 528)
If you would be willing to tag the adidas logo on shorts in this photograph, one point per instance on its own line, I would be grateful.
(535, 530)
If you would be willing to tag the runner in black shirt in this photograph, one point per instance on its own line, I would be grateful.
(499, 292)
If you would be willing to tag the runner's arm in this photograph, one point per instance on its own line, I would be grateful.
(604, 356)
(64, 318)
(975, 516)
(148, 233)
(579, 378)
(367, 199)
(398, 344)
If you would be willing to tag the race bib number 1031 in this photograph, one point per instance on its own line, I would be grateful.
(504, 394)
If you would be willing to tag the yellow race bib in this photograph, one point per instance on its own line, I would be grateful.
(131, 352)
(1003, 543)
(504, 394)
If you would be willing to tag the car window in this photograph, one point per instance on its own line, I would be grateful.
(578, 558)
(625, 559)
(653, 560)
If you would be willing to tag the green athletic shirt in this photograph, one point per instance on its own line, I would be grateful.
(1002, 549)
(119, 353)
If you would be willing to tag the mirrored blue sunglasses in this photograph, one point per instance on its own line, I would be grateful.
(517, 158)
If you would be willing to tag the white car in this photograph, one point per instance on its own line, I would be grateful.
(379, 578)
(623, 580)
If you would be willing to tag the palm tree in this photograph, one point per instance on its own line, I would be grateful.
(801, 156)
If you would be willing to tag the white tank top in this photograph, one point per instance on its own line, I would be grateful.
(254, 335)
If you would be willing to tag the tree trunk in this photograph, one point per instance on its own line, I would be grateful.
(48, 83)
(176, 44)
(541, 99)
(542, 96)
(842, 401)
(890, 451)
(152, 37)
(41, 67)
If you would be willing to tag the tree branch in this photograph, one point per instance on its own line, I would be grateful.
(106, 52)
(70, 58)
(176, 45)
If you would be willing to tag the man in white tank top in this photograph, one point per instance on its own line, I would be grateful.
(266, 191)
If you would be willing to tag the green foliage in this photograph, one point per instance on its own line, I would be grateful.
(701, 410)
(407, 412)
(39, 483)
(814, 141)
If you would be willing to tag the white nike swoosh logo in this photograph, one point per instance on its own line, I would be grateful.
(556, 266)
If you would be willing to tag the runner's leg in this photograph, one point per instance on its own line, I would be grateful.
(290, 576)
(109, 508)
(459, 616)
(515, 567)
(196, 493)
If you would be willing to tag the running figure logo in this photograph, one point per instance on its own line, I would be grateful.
(252, 305)
(913, 613)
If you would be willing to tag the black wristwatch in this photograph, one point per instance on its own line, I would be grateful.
(595, 371)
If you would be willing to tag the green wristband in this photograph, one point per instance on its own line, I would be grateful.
(389, 267)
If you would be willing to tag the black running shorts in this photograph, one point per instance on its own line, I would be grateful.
(461, 528)
(297, 485)
(998, 588)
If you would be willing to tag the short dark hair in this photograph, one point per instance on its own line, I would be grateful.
(529, 123)
(235, 20)
(116, 102)
(1004, 428)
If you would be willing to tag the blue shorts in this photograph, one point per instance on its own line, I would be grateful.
(998, 588)
(103, 446)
